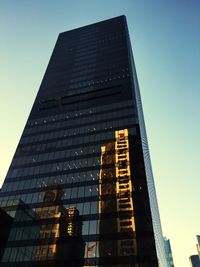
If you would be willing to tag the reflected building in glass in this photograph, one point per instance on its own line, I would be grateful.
(80, 190)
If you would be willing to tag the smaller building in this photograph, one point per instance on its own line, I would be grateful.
(198, 245)
(5, 226)
(194, 260)
(168, 252)
(13, 213)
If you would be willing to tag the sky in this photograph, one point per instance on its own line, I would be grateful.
(165, 38)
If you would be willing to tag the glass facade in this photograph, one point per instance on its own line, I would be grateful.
(79, 191)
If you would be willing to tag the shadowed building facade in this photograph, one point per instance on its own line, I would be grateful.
(5, 225)
(82, 165)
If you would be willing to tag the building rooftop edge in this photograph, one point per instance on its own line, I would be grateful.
(102, 21)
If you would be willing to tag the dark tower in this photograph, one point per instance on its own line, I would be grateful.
(85, 135)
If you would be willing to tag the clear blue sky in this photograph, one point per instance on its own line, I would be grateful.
(165, 37)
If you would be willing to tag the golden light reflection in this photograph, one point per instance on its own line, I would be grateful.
(59, 224)
(48, 230)
(115, 180)
(124, 190)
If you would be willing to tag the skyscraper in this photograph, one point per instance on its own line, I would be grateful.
(82, 168)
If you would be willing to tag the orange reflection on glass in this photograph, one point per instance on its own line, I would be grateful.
(62, 226)
(115, 192)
